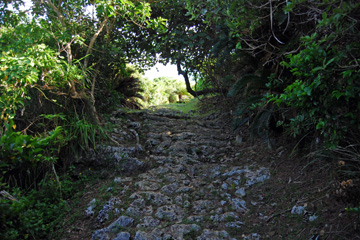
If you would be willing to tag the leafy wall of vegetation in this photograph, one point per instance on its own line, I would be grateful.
(57, 68)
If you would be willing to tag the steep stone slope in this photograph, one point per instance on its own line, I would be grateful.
(193, 189)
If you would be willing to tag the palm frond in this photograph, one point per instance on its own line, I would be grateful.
(245, 83)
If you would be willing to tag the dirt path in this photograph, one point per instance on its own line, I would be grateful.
(190, 178)
(193, 189)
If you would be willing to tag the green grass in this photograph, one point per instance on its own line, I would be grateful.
(182, 107)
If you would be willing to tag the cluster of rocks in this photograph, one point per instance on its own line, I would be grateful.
(192, 189)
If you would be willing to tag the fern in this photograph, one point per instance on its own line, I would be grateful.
(243, 106)
(260, 125)
(245, 84)
(259, 118)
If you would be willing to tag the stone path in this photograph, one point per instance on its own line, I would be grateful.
(192, 188)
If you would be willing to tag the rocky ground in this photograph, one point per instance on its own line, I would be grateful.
(180, 177)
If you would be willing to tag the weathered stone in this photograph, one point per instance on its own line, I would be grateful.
(122, 236)
(253, 236)
(159, 171)
(257, 176)
(170, 213)
(172, 177)
(178, 231)
(180, 183)
(157, 199)
(197, 218)
(238, 205)
(147, 186)
(101, 234)
(134, 125)
(224, 186)
(122, 221)
(237, 224)
(233, 172)
(170, 188)
(134, 212)
(178, 147)
(148, 222)
(297, 210)
(240, 192)
(184, 189)
(201, 206)
(138, 203)
(178, 168)
(162, 147)
(103, 214)
(213, 235)
(131, 164)
(141, 236)
(90, 210)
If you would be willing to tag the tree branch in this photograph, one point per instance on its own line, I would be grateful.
(92, 41)
(188, 86)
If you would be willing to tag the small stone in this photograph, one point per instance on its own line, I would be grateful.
(238, 205)
(297, 210)
(101, 234)
(122, 221)
(170, 188)
(134, 212)
(147, 186)
(117, 180)
(138, 203)
(170, 213)
(122, 236)
(104, 212)
(198, 219)
(236, 224)
(223, 203)
(201, 206)
(233, 172)
(228, 217)
(179, 230)
(157, 199)
(149, 222)
(90, 210)
(313, 218)
(183, 189)
(140, 235)
(211, 234)
(117, 211)
(240, 192)
(224, 186)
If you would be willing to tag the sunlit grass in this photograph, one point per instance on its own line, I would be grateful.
(187, 107)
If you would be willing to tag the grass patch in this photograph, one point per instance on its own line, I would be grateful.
(191, 105)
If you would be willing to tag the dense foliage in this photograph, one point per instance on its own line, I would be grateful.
(53, 76)
(163, 90)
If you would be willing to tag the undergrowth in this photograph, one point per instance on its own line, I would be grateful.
(38, 213)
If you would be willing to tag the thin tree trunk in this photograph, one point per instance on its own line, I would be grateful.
(188, 86)
(92, 40)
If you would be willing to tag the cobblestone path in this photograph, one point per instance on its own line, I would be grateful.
(193, 186)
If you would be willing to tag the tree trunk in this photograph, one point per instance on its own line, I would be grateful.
(92, 41)
(188, 86)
